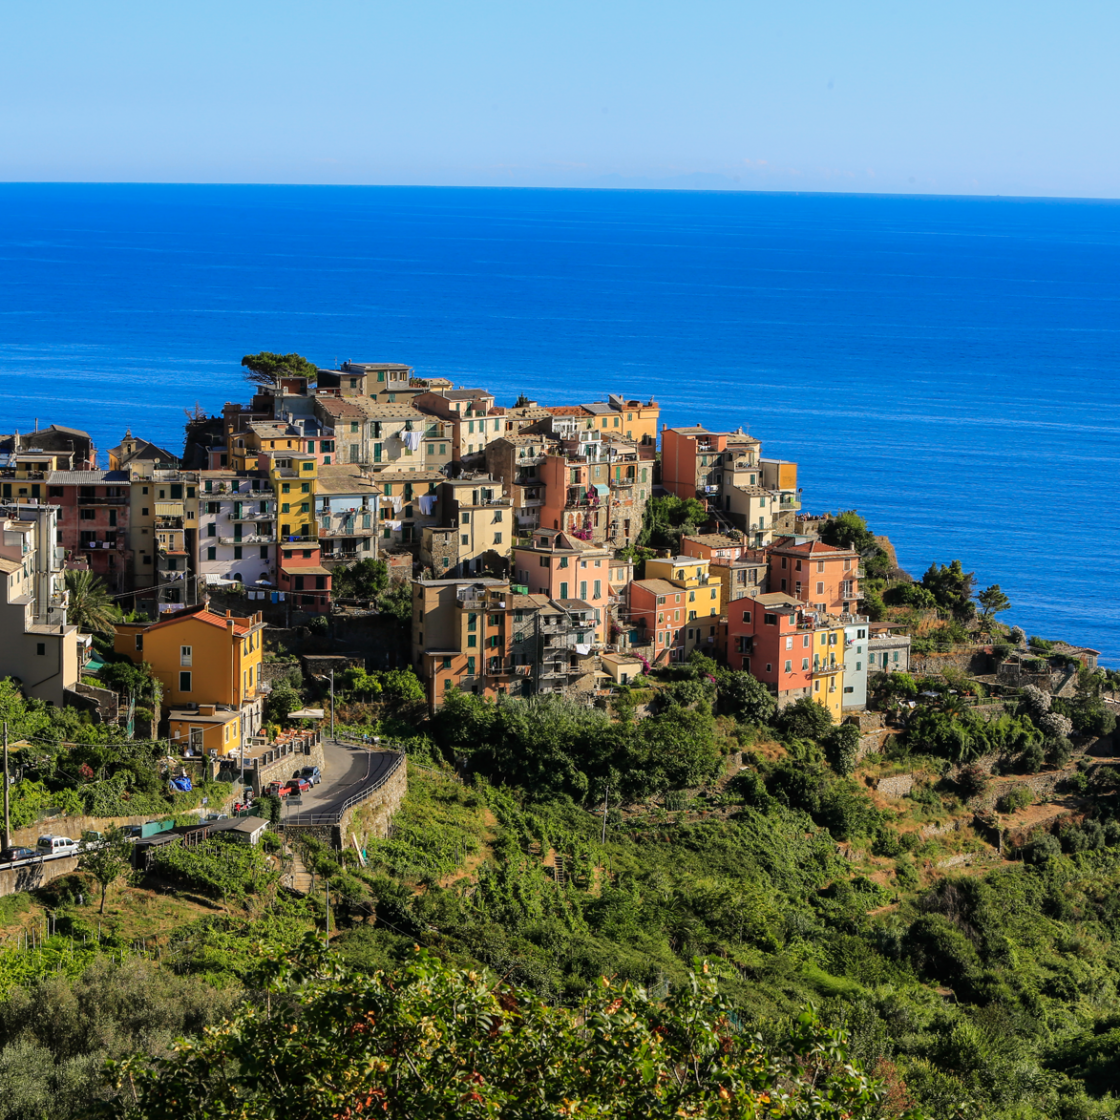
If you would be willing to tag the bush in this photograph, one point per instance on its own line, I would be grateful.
(1055, 726)
(841, 745)
(1014, 800)
(1030, 761)
(804, 719)
(971, 780)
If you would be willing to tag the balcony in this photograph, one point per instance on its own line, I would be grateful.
(252, 538)
(166, 576)
(109, 500)
(251, 515)
(826, 670)
(343, 531)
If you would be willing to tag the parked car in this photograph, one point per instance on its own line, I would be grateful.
(296, 786)
(13, 855)
(311, 774)
(58, 846)
(277, 789)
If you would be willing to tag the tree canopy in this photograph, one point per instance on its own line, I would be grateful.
(89, 608)
(992, 602)
(951, 587)
(432, 1041)
(266, 369)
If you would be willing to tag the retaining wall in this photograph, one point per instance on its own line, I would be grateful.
(13, 880)
(898, 786)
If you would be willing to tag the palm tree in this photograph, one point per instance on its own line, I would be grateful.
(90, 607)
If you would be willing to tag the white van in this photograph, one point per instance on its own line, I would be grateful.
(58, 846)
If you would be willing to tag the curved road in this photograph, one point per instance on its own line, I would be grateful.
(347, 769)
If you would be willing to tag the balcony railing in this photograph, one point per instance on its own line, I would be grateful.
(252, 538)
(108, 500)
(252, 515)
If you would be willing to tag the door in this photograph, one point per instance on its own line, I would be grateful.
(196, 740)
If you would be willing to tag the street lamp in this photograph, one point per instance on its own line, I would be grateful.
(319, 676)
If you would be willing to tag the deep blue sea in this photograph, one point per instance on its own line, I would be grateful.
(950, 367)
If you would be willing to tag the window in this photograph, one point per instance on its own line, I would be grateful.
(237, 552)
(470, 666)
(41, 648)
(497, 538)
(447, 662)
(185, 655)
(789, 666)
(184, 682)
(789, 643)
(139, 639)
(309, 466)
(598, 589)
(264, 552)
(820, 565)
(465, 538)
(746, 616)
(820, 587)
(805, 663)
(859, 666)
(770, 619)
(211, 553)
(211, 530)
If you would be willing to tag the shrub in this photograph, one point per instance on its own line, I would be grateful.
(1055, 726)
(1030, 761)
(1015, 799)
(971, 780)
(804, 719)
(1018, 635)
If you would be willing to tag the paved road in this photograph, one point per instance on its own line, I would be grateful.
(346, 769)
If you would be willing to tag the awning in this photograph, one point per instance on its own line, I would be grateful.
(307, 713)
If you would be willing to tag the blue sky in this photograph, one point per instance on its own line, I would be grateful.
(988, 97)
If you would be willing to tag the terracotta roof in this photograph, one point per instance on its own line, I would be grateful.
(567, 410)
(810, 548)
(201, 614)
(344, 479)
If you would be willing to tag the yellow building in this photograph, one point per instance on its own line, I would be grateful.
(828, 667)
(203, 658)
(705, 596)
(295, 479)
(207, 728)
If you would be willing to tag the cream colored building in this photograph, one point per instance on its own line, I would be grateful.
(37, 646)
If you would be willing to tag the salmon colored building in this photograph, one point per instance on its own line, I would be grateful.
(819, 574)
(562, 567)
(772, 638)
(661, 609)
(302, 576)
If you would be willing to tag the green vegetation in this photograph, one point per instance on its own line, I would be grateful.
(90, 607)
(668, 519)
(434, 1041)
(266, 369)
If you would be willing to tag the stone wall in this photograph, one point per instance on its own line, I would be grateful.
(102, 702)
(1041, 785)
(322, 663)
(974, 661)
(898, 786)
(372, 818)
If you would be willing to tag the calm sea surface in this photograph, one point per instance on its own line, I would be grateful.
(950, 367)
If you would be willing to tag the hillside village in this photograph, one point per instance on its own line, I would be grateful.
(518, 530)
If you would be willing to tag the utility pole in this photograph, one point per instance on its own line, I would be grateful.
(332, 703)
(606, 799)
(7, 806)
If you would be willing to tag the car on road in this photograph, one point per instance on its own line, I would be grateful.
(14, 855)
(296, 786)
(58, 846)
(277, 789)
(311, 774)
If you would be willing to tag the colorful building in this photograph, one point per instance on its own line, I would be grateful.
(302, 577)
(819, 574)
(201, 658)
(561, 566)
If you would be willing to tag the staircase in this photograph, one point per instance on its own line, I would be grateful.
(298, 877)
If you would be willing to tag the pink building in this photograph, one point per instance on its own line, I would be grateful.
(562, 567)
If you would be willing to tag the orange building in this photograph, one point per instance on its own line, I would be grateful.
(772, 638)
(202, 658)
(661, 609)
(825, 577)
